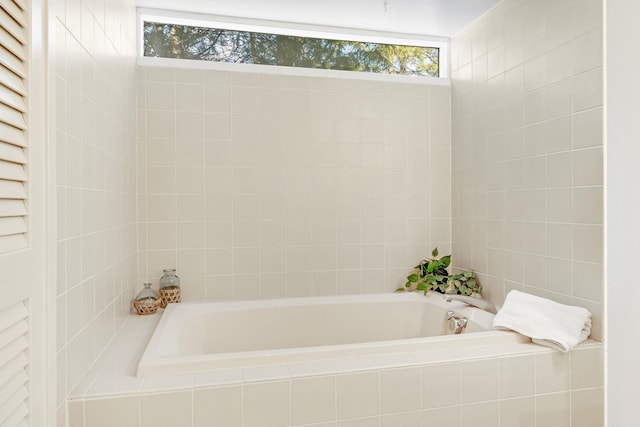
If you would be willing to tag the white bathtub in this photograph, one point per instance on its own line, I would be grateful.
(194, 337)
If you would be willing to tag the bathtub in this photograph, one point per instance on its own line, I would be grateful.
(200, 336)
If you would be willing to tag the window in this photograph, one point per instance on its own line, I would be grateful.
(204, 43)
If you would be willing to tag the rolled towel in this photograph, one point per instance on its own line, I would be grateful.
(546, 322)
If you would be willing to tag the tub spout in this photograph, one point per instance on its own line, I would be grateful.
(480, 303)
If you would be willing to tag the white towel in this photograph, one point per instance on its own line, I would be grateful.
(546, 322)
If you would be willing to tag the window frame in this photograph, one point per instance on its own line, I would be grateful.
(290, 29)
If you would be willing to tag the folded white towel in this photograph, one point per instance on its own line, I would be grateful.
(546, 322)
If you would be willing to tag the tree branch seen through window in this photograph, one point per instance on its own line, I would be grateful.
(221, 45)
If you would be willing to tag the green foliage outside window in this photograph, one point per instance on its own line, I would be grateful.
(221, 45)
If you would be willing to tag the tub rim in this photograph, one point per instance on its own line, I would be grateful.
(153, 362)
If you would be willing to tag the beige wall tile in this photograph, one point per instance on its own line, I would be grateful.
(357, 395)
(406, 419)
(122, 411)
(587, 408)
(361, 422)
(480, 415)
(266, 404)
(553, 410)
(519, 412)
(440, 385)
(313, 400)
(587, 90)
(517, 376)
(166, 410)
(587, 368)
(399, 390)
(218, 407)
(441, 417)
(61, 416)
(587, 281)
(479, 380)
(76, 414)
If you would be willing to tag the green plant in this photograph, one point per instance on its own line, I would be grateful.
(464, 283)
(430, 274)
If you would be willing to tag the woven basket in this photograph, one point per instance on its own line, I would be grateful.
(146, 306)
(169, 296)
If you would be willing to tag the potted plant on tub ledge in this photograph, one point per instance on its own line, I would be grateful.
(432, 274)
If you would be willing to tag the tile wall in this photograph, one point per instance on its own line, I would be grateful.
(94, 119)
(527, 148)
(262, 186)
(542, 389)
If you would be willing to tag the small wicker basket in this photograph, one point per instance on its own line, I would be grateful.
(170, 295)
(146, 306)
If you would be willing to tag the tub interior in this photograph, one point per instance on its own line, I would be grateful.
(210, 335)
(309, 325)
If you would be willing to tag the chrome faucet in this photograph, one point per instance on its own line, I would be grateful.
(456, 323)
(480, 303)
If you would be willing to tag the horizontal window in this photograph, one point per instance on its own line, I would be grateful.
(248, 47)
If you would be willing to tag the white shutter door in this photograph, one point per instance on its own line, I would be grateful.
(14, 362)
(14, 314)
(13, 125)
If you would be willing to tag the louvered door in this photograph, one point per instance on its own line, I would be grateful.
(23, 330)
(14, 378)
(13, 136)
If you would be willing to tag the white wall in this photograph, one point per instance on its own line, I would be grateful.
(262, 186)
(94, 119)
(623, 211)
(528, 151)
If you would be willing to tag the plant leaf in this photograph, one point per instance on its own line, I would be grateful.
(400, 290)
(434, 252)
(413, 278)
(446, 260)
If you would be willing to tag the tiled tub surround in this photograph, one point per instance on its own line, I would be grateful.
(527, 150)
(93, 84)
(526, 98)
(486, 386)
(266, 186)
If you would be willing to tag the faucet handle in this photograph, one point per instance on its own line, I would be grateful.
(456, 323)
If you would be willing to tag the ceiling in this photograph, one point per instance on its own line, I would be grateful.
(441, 18)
